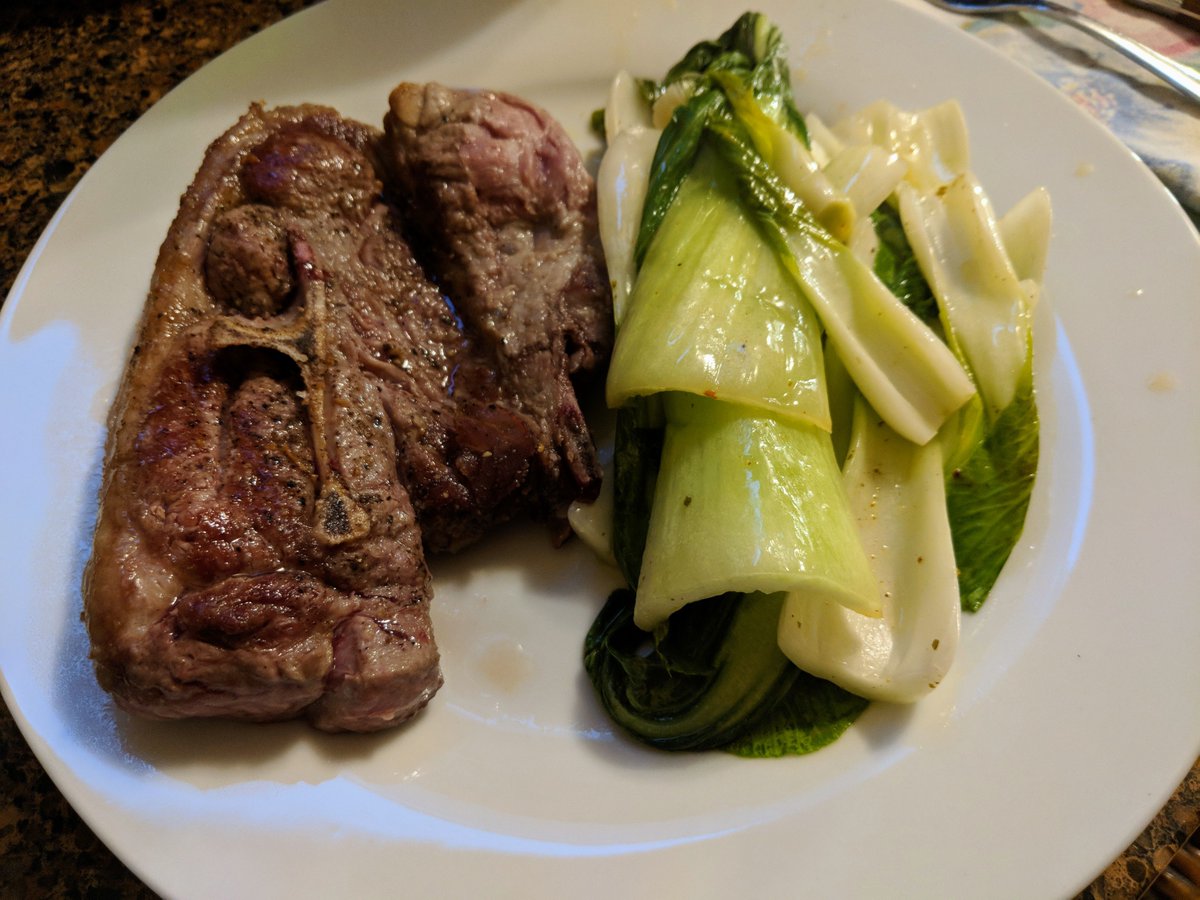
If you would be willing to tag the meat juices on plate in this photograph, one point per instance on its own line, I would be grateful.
(307, 412)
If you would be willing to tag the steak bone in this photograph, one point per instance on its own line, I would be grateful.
(306, 341)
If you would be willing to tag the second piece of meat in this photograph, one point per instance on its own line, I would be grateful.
(498, 198)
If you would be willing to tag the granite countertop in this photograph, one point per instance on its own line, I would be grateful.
(75, 75)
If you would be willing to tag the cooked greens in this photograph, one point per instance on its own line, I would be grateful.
(750, 503)
(702, 682)
(826, 431)
(714, 294)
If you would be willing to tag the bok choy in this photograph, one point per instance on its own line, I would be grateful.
(826, 430)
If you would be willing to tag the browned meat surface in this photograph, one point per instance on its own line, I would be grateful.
(506, 214)
(299, 385)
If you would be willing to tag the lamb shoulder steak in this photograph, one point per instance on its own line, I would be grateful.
(358, 347)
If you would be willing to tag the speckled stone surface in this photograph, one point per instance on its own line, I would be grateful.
(73, 77)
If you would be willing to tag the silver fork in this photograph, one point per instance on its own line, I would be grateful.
(1186, 12)
(1183, 78)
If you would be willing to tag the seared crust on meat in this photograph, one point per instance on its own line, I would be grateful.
(298, 379)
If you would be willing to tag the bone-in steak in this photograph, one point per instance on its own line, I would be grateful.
(312, 405)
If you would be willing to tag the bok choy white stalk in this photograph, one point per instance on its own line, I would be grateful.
(622, 180)
(933, 143)
(714, 313)
(898, 497)
(753, 503)
(985, 308)
(978, 280)
(917, 525)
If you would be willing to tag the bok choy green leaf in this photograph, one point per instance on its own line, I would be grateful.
(988, 493)
(700, 683)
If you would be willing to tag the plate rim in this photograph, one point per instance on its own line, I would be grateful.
(46, 754)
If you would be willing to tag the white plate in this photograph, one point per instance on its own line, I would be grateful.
(1070, 716)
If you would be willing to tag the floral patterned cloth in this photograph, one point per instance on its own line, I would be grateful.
(1151, 118)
